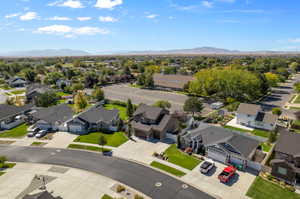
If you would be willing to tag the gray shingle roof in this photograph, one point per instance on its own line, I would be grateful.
(249, 109)
(149, 112)
(97, 114)
(59, 113)
(288, 143)
(9, 110)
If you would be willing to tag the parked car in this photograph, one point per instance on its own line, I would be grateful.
(206, 166)
(41, 134)
(227, 174)
(33, 132)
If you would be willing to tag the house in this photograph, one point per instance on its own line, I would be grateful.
(53, 118)
(12, 116)
(17, 82)
(286, 162)
(35, 90)
(223, 145)
(94, 119)
(171, 82)
(252, 115)
(65, 82)
(151, 122)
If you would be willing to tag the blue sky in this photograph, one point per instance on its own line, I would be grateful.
(117, 25)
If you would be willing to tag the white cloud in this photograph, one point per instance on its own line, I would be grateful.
(67, 3)
(84, 18)
(227, 1)
(29, 16)
(207, 4)
(107, 19)
(57, 18)
(152, 16)
(12, 15)
(70, 32)
(296, 40)
(108, 4)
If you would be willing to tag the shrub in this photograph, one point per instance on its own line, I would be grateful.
(120, 188)
(3, 159)
(290, 188)
(136, 196)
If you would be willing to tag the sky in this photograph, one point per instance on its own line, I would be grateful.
(134, 25)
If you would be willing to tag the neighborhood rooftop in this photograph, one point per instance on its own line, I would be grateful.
(288, 143)
(250, 109)
(96, 114)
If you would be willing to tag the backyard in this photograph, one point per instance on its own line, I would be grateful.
(114, 139)
(262, 189)
(19, 131)
(179, 158)
(122, 109)
(257, 132)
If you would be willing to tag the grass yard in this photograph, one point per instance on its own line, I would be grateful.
(1, 173)
(7, 165)
(88, 148)
(115, 139)
(257, 132)
(19, 131)
(62, 94)
(297, 100)
(38, 144)
(179, 158)
(168, 169)
(266, 146)
(262, 189)
(122, 109)
(106, 197)
(294, 108)
(18, 92)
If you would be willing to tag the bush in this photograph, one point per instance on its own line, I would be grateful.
(290, 188)
(136, 196)
(3, 159)
(120, 188)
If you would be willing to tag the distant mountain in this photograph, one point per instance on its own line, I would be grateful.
(46, 53)
(207, 51)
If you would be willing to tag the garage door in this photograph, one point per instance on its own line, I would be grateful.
(236, 161)
(75, 129)
(216, 156)
(254, 165)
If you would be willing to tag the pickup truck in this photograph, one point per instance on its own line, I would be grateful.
(227, 174)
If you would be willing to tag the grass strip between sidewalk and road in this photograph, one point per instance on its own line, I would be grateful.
(88, 148)
(107, 197)
(167, 169)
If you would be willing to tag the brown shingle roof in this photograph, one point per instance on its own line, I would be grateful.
(288, 143)
(249, 109)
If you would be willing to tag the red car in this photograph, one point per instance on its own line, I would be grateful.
(227, 174)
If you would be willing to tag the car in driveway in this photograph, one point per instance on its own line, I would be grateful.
(206, 166)
(41, 134)
(227, 174)
(33, 132)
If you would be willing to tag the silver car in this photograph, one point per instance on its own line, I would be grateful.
(41, 134)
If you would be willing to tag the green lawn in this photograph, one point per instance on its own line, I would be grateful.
(62, 94)
(297, 100)
(1, 173)
(168, 169)
(89, 148)
(115, 139)
(17, 132)
(294, 108)
(122, 109)
(37, 143)
(106, 197)
(180, 158)
(266, 146)
(7, 165)
(256, 132)
(262, 189)
(18, 92)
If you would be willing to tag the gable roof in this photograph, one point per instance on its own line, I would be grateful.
(10, 110)
(211, 135)
(59, 113)
(288, 143)
(97, 114)
(249, 109)
(39, 88)
(149, 112)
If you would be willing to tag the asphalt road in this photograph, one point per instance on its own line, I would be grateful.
(280, 95)
(137, 176)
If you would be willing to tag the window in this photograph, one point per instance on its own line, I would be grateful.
(282, 171)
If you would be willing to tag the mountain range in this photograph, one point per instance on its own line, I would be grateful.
(192, 51)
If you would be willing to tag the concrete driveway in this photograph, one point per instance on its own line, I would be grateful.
(237, 189)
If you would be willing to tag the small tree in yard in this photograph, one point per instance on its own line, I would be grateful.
(297, 87)
(98, 94)
(129, 132)
(80, 101)
(130, 108)
(272, 137)
(276, 111)
(193, 104)
(163, 104)
(102, 141)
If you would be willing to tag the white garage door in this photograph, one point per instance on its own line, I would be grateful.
(235, 160)
(75, 129)
(254, 165)
(216, 156)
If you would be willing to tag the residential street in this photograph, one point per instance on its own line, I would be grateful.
(280, 95)
(134, 175)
